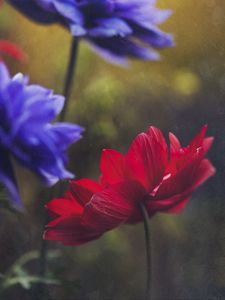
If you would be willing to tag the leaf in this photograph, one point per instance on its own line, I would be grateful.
(17, 274)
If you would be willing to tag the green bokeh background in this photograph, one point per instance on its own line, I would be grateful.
(180, 93)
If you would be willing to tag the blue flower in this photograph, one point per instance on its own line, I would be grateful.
(26, 135)
(116, 29)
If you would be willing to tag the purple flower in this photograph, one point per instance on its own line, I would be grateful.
(116, 29)
(26, 135)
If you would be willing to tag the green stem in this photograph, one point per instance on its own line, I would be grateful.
(69, 77)
(148, 250)
(40, 290)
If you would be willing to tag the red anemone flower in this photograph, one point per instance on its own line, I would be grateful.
(150, 174)
(7, 48)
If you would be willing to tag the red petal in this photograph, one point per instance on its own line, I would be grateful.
(207, 143)
(70, 231)
(69, 228)
(177, 202)
(75, 230)
(176, 154)
(179, 157)
(182, 179)
(64, 207)
(174, 144)
(156, 134)
(11, 50)
(114, 205)
(174, 204)
(112, 167)
(83, 189)
(204, 171)
(198, 140)
(148, 157)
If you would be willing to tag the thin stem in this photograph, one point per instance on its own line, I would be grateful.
(69, 77)
(40, 290)
(43, 252)
(43, 263)
(148, 250)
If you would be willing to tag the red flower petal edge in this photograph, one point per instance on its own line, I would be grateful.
(162, 179)
(11, 50)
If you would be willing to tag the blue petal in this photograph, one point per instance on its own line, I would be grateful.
(110, 27)
(101, 21)
(123, 47)
(4, 76)
(35, 12)
(154, 37)
(69, 11)
(27, 135)
(65, 134)
(77, 30)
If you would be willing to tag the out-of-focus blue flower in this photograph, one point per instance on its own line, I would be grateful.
(116, 29)
(26, 134)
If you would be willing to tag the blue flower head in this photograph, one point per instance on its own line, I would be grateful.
(26, 134)
(116, 29)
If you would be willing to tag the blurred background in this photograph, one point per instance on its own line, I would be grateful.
(182, 92)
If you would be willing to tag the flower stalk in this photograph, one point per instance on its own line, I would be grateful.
(69, 78)
(66, 92)
(148, 250)
(39, 291)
